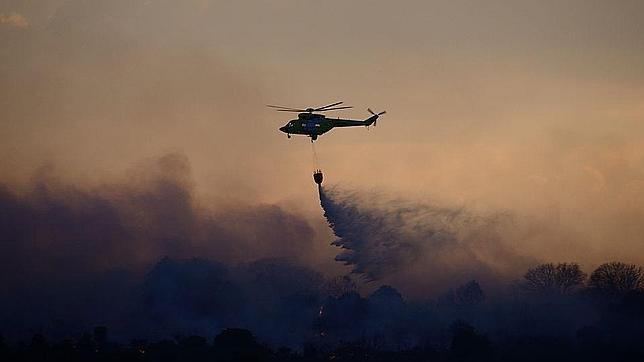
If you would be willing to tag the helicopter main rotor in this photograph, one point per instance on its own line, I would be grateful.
(329, 107)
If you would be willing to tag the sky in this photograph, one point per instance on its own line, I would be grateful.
(532, 108)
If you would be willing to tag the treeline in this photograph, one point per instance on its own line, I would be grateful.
(555, 312)
(466, 344)
(608, 280)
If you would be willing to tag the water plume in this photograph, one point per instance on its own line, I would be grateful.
(419, 242)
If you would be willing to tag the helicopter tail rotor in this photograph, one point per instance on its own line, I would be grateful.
(375, 116)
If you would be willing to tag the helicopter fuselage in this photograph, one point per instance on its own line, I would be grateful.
(314, 125)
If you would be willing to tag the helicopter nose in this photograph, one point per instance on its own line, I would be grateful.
(283, 129)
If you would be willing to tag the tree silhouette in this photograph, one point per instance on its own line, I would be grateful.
(236, 344)
(569, 277)
(467, 344)
(470, 293)
(562, 278)
(194, 348)
(100, 336)
(616, 278)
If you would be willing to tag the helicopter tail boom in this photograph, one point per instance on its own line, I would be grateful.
(352, 123)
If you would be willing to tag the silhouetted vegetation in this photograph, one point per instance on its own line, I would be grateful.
(562, 278)
(468, 294)
(560, 318)
(616, 279)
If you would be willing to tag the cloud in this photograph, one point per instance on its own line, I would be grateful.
(14, 19)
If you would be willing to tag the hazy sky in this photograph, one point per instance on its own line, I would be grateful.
(536, 107)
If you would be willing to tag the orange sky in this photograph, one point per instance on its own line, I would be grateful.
(529, 106)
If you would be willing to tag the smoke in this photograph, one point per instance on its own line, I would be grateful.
(92, 86)
(144, 257)
(129, 224)
(78, 254)
(147, 258)
(275, 298)
(96, 86)
(419, 246)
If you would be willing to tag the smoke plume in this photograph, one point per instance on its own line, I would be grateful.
(72, 257)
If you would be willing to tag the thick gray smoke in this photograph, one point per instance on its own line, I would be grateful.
(72, 258)
(146, 259)
(412, 245)
(131, 224)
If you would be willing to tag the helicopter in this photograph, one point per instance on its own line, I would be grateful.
(315, 124)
